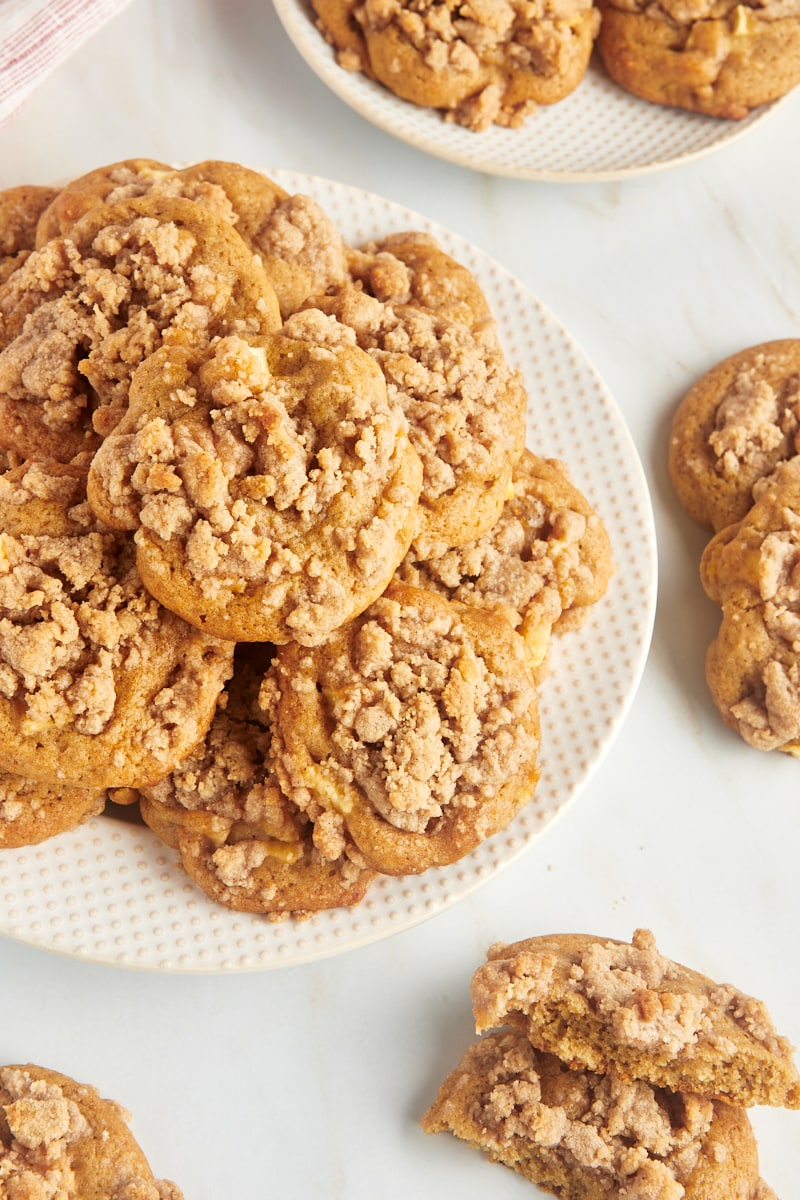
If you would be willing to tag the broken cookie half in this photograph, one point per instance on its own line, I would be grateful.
(612, 1071)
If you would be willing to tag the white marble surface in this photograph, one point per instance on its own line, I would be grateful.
(308, 1081)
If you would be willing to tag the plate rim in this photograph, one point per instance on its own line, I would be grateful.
(324, 66)
(481, 874)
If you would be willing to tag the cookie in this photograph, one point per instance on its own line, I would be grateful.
(83, 311)
(748, 569)
(734, 425)
(543, 564)
(464, 405)
(588, 1136)
(411, 268)
(272, 484)
(239, 838)
(31, 811)
(61, 1138)
(414, 729)
(612, 1007)
(299, 246)
(482, 66)
(70, 202)
(20, 210)
(722, 58)
(99, 685)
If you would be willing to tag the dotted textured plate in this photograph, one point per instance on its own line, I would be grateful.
(599, 132)
(111, 892)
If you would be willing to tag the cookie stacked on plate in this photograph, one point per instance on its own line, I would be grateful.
(276, 565)
(734, 460)
(495, 64)
(611, 1070)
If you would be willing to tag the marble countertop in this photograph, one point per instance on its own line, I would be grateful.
(309, 1080)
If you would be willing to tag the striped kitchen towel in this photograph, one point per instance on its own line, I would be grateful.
(36, 36)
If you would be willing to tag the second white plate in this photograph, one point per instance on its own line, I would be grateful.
(111, 892)
(599, 132)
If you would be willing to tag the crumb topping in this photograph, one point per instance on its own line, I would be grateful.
(644, 997)
(452, 382)
(753, 575)
(420, 722)
(47, 1150)
(280, 466)
(299, 231)
(128, 183)
(228, 774)
(641, 1140)
(43, 1125)
(754, 420)
(533, 565)
(687, 12)
(73, 615)
(95, 313)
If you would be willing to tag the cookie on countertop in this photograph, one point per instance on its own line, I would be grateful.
(271, 483)
(543, 564)
(481, 65)
(609, 1006)
(588, 1136)
(99, 685)
(750, 569)
(722, 58)
(736, 423)
(238, 836)
(60, 1138)
(84, 310)
(414, 729)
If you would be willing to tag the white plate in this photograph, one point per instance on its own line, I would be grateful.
(111, 892)
(599, 132)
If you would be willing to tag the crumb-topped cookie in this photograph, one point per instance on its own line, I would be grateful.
(414, 730)
(543, 564)
(99, 684)
(464, 405)
(240, 839)
(83, 311)
(734, 425)
(610, 1006)
(588, 1136)
(298, 244)
(272, 484)
(60, 1140)
(480, 64)
(751, 570)
(410, 267)
(718, 57)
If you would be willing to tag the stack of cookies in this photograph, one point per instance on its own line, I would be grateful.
(275, 562)
(612, 1071)
(734, 460)
(495, 63)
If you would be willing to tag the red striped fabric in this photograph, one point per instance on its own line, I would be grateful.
(36, 36)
